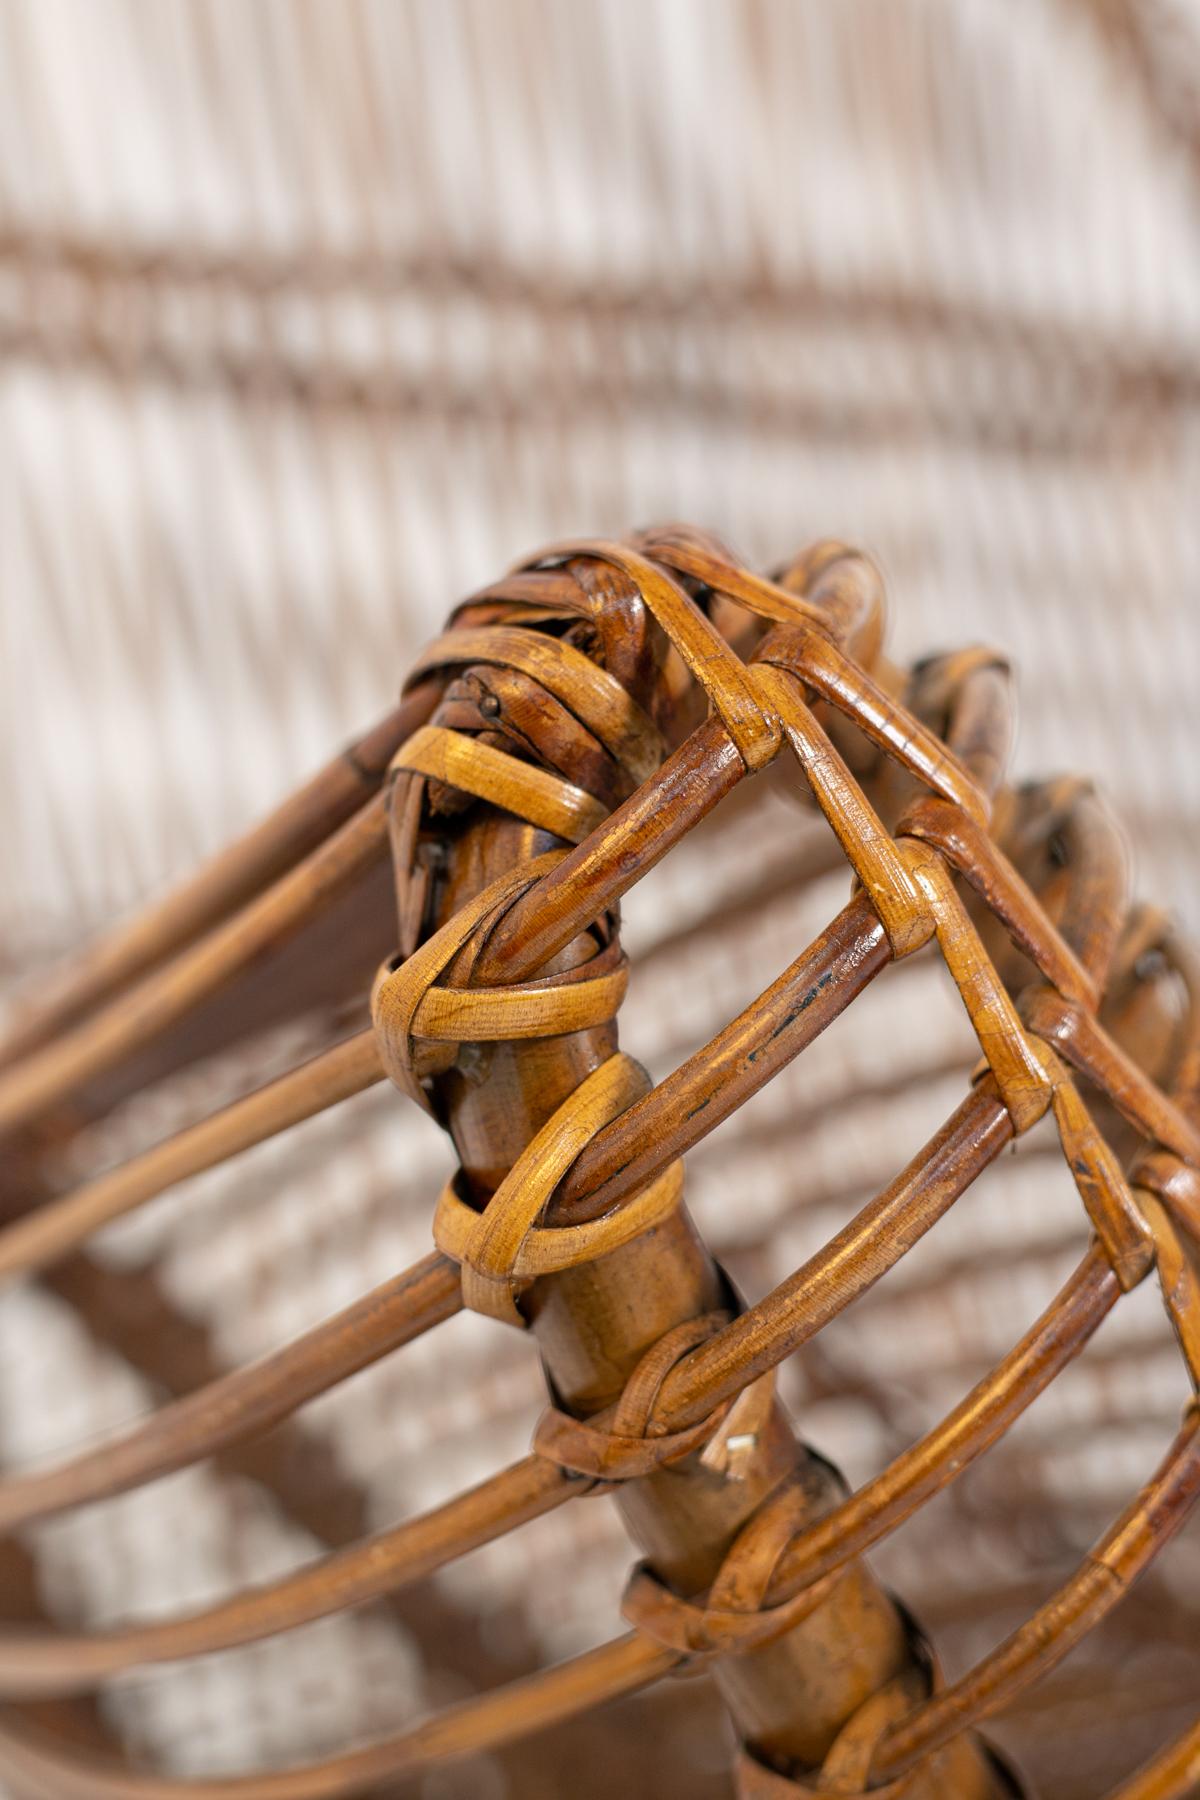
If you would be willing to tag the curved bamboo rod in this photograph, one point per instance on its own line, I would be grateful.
(686, 787)
(231, 879)
(674, 1115)
(43, 1770)
(1121, 1555)
(395, 1313)
(685, 1106)
(60, 1224)
(244, 1401)
(734, 1064)
(928, 1466)
(35, 1662)
(873, 1242)
(1173, 1774)
(143, 1011)
(53, 1662)
(680, 1111)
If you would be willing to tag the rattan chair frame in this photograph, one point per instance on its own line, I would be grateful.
(572, 725)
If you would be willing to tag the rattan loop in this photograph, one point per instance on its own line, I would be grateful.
(846, 1769)
(732, 1618)
(1020, 1077)
(399, 993)
(494, 1244)
(632, 1446)
(1108, 1200)
(715, 666)
(873, 855)
(548, 1251)
(1175, 1182)
(518, 787)
(595, 697)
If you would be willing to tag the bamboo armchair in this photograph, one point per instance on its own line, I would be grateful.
(571, 726)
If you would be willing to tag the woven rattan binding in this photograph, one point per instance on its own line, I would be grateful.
(574, 722)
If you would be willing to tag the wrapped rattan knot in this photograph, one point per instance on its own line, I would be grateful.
(753, 727)
(408, 1005)
(632, 1444)
(1020, 1075)
(1179, 1279)
(595, 696)
(1173, 1181)
(846, 1770)
(877, 862)
(1110, 1203)
(480, 769)
(1056, 1018)
(500, 1248)
(733, 1617)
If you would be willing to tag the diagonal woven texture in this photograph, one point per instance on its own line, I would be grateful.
(577, 720)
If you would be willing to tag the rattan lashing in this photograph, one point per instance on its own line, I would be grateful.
(607, 696)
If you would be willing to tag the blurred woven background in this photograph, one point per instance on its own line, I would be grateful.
(314, 316)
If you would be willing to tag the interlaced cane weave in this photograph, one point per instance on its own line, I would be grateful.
(575, 721)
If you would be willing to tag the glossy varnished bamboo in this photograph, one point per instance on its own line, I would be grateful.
(791, 1697)
(845, 1684)
(228, 882)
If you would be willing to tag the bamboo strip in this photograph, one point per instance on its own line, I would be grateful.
(47, 1771)
(247, 1400)
(59, 1225)
(144, 1011)
(52, 1662)
(36, 1662)
(1172, 1775)
(233, 878)
(1125, 1550)
(873, 1242)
